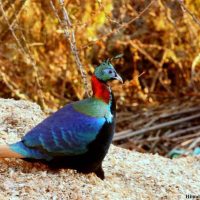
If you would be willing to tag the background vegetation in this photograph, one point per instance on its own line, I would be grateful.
(161, 46)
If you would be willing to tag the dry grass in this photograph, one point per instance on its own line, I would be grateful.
(160, 128)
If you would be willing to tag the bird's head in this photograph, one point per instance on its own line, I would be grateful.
(106, 72)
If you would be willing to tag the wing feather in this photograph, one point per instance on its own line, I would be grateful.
(66, 132)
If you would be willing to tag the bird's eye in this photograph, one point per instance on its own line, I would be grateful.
(110, 72)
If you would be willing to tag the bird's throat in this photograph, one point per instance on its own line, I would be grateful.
(101, 90)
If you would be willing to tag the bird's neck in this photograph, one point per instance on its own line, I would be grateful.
(101, 90)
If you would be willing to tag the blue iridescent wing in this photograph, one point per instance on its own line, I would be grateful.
(66, 132)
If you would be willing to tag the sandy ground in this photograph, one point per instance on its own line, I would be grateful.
(129, 175)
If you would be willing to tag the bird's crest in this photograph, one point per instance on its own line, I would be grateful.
(109, 60)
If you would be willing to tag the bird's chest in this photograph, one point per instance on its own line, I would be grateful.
(103, 111)
(95, 108)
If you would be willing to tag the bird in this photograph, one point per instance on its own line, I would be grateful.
(76, 136)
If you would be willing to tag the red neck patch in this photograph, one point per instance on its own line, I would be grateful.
(100, 90)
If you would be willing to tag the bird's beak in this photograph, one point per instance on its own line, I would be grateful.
(119, 78)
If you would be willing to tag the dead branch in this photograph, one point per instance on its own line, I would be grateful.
(195, 19)
(129, 133)
(70, 36)
(142, 51)
(26, 53)
(121, 26)
(180, 132)
(186, 137)
(13, 10)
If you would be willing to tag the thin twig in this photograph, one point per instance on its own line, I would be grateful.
(148, 56)
(12, 30)
(18, 7)
(129, 133)
(122, 119)
(181, 112)
(25, 53)
(195, 19)
(194, 143)
(159, 117)
(179, 132)
(12, 87)
(70, 35)
(184, 137)
(122, 26)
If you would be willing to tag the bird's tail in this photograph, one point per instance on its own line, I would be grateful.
(6, 152)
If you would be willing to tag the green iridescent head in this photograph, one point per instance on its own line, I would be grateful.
(106, 72)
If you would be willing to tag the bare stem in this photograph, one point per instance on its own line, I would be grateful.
(122, 25)
(129, 133)
(195, 19)
(70, 36)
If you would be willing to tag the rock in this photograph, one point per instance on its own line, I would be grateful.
(16, 118)
(129, 175)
